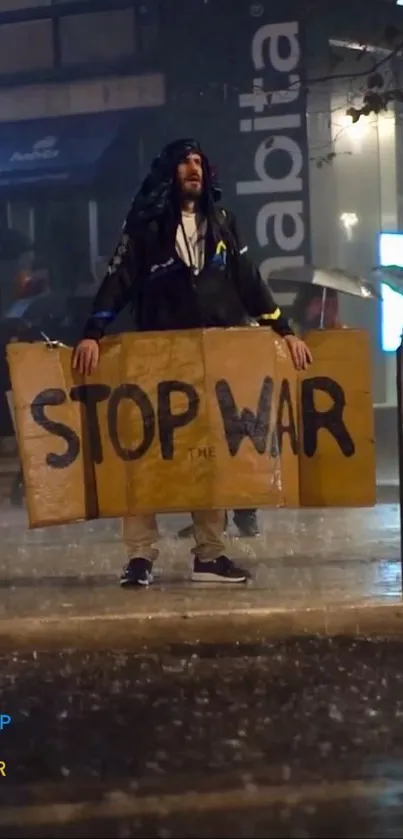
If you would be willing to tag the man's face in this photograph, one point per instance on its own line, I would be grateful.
(190, 177)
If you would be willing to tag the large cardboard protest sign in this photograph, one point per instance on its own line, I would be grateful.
(190, 420)
(337, 465)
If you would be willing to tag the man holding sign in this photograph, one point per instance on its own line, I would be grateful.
(180, 265)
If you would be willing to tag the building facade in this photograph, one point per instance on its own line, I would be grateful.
(271, 104)
(90, 89)
(80, 84)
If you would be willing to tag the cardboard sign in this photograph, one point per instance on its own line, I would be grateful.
(337, 452)
(191, 420)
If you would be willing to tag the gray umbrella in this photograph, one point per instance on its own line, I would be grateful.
(334, 278)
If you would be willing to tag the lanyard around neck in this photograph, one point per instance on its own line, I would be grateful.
(192, 265)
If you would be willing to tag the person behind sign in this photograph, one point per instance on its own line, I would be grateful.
(180, 265)
(245, 521)
(307, 309)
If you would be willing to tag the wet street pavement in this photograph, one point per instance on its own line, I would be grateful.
(302, 558)
(295, 738)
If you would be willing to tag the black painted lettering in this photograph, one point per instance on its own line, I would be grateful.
(169, 422)
(284, 425)
(54, 397)
(137, 395)
(89, 396)
(330, 420)
(238, 425)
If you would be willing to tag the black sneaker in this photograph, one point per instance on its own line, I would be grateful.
(138, 572)
(247, 524)
(220, 570)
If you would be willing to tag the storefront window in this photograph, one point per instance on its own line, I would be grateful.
(16, 5)
(97, 36)
(20, 217)
(62, 240)
(111, 215)
(26, 46)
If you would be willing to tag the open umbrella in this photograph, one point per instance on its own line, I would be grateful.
(334, 278)
(327, 278)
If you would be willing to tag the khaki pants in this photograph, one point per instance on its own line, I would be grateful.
(140, 533)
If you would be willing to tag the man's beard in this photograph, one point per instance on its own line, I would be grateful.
(191, 192)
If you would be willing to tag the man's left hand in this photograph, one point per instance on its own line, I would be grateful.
(300, 353)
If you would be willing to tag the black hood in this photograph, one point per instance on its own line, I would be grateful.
(155, 196)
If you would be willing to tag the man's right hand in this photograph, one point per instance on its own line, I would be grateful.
(86, 356)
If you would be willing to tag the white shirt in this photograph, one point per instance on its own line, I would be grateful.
(191, 249)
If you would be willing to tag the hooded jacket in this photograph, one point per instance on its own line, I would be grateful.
(164, 293)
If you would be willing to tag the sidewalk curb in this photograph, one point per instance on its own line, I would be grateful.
(239, 626)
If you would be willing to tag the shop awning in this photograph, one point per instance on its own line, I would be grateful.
(59, 150)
